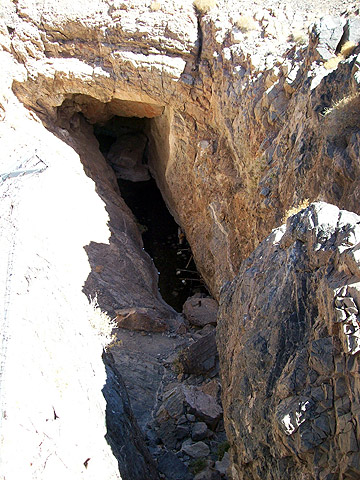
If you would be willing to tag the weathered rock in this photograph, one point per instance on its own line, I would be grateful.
(203, 406)
(190, 97)
(126, 156)
(208, 474)
(123, 434)
(172, 467)
(196, 450)
(140, 319)
(200, 311)
(167, 432)
(199, 431)
(201, 357)
(237, 135)
(283, 347)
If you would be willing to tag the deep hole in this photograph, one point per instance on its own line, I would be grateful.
(163, 240)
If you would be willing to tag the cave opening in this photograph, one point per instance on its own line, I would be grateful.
(124, 142)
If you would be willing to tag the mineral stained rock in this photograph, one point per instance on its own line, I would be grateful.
(289, 359)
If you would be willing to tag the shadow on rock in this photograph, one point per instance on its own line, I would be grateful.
(123, 433)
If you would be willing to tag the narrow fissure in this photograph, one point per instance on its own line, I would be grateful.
(156, 353)
(124, 144)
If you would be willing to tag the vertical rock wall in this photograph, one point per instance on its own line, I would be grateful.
(289, 341)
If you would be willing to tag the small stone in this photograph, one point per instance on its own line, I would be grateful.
(199, 431)
(191, 417)
(196, 450)
(208, 474)
(222, 465)
(340, 315)
(182, 432)
(182, 420)
(352, 311)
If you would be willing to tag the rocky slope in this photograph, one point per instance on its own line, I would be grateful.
(289, 339)
(234, 100)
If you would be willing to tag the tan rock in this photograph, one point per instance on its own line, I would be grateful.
(200, 311)
(140, 319)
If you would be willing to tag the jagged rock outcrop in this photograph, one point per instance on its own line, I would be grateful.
(289, 342)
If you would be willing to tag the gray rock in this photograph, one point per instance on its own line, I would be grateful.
(203, 406)
(208, 474)
(173, 468)
(167, 432)
(200, 357)
(196, 450)
(223, 465)
(182, 431)
(199, 431)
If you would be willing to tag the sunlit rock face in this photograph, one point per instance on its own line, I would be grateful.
(289, 340)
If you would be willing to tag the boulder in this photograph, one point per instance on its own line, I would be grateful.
(196, 450)
(203, 406)
(289, 361)
(201, 357)
(200, 311)
(199, 431)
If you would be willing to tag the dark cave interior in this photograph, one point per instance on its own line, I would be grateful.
(124, 144)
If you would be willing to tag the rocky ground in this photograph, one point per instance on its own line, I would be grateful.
(173, 385)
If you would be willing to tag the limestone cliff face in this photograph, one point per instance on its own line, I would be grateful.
(289, 342)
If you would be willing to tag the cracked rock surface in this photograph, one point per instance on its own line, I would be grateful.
(288, 337)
